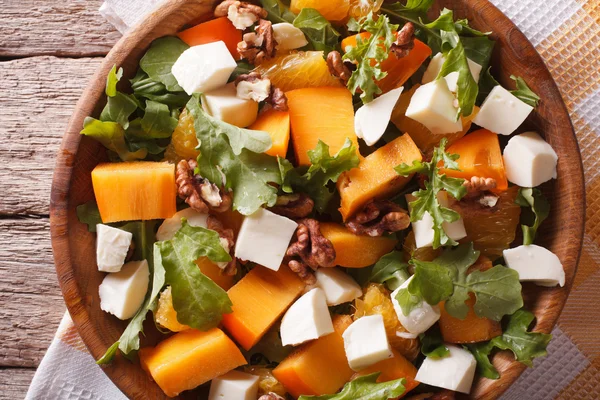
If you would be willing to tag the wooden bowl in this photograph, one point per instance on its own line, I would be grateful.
(73, 245)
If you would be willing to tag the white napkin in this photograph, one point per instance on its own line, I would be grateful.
(124, 14)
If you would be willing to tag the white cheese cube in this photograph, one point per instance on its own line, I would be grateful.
(502, 112)
(339, 287)
(203, 68)
(372, 119)
(170, 226)
(433, 106)
(234, 385)
(420, 318)
(529, 160)
(535, 264)
(264, 238)
(423, 228)
(365, 342)
(435, 66)
(112, 245)
(288, 37)
(453, 372)
(224, 104)
(307, 319)
(122, 293)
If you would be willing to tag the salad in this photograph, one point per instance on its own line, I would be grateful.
(311, 200)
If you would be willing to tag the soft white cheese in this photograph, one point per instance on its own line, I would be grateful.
(170, 226)
(435, 66)
(288, 37)
(224, 104)
(204, 67)
(423, 229)
(339, 287)
(454, 372)
(529, 160)
(433, 106)
(234, 385)
(420, 318)
(122, 293)
(112, 245)
(264, 238)
(365, 342)
(535, 264)
(307, 319)
(372, 119)
(501, 112)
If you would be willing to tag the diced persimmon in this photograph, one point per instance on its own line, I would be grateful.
(398, 69)
(215, 273)
(259, 299)
(375, 177)
(480, 155)
(354, 251)
(332, 10)
(393, 368)
(318, 367)
(190, 358)
(165, 314)
(277, 125)
(219, 29)
(324, 113)
(138, 190)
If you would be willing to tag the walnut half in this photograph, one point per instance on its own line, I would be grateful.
(260, 45)
(240, 13)
(310, 251)
(198, 192)
(228, 243)
(379, 217)
(294, 206)
(405, 41)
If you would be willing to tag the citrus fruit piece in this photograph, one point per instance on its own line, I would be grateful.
(267, 383)
(165, 314)
(362, 8)
(183, 141)
(332, 10)
(422, 254)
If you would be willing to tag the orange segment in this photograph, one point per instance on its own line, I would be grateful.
(332, 10)
(277, 125)
(183, 141)
(362, 8)
(165, 314)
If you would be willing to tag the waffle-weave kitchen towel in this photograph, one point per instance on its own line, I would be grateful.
(567, 35)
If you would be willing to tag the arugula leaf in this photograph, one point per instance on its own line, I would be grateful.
(112, 136)
(89, 214)
(236, 154)
(391, 270)
(485, 367)
(427, 199)
(524, 93)
(277, 11)
(368, 54)
(534, 199)
(408, 301)
(486, 84)
(119, 106)
(319, 32)
(145, 87)
(114, 76)
(159, 59)
(365, 388)
(157, 122)
(431, 280)
(143, 238)
(432, 344)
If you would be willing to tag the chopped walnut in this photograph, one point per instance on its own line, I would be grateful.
(271, 396)
(198, 192)
(310, 251)
(228, 243)
(277, 99)
(337, 67)
(379, 217)
(240, 13)
(477, 185)
(405, 41)
(294, 206)
(258, 46)
(253, 86)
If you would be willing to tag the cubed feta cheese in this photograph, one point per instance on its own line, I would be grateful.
(339, 287)
(288, 37)
(112, 245)
(371, 120)
(122, 293)
(420, 318)
(435, 66)
(535, 264)
(264, 238)
(307, 319)
(454, 372)
(234, 385)
(501, 112)
(529, 160)
(433, 106)
(365, 342)
(204, 67)
(423, 229)
(170, 226)
(224, 104)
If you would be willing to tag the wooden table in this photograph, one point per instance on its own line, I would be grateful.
(49, 49)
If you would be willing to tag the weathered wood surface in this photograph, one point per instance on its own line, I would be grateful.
(14, 382)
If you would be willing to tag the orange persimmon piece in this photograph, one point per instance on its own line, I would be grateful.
(398, 69)
(318, 367)
(375, 177)
(215, 30)
(332, 10)
(277, 125)
(232, 220)
(324, 113)
(480, 155)
(137, 190)
(354, 251)
(259, 299)
(190, 358)
(212, 270)
(393, 368)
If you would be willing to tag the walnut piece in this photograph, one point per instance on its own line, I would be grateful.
(271, 396)
(258, 46)
(198, 192)
(277, 99)
(337, 67)
(477, 184)
(228, 243)
(253, 86)
(310, 251)
(405, 41)
(294, 206)
(379, 217)
(241, 14)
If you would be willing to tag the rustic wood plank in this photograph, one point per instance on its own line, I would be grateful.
(39, 95)
(15, 382)
(54, 27)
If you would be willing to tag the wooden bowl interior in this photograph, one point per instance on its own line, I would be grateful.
(74, 246)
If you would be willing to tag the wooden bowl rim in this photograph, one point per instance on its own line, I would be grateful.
(62, 180)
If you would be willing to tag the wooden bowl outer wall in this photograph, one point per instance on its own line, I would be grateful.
(73, 246)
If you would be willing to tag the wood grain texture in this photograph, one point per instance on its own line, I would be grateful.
(15, 382)
(54, 27)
